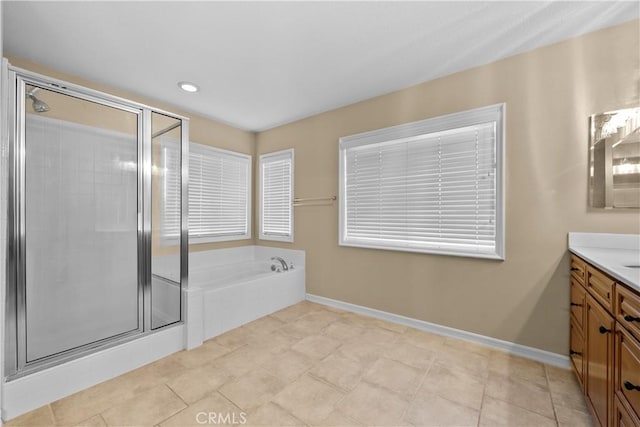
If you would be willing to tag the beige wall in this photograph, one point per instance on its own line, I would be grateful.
(201, 130)
(549, 95)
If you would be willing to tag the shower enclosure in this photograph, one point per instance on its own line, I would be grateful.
(97, 231)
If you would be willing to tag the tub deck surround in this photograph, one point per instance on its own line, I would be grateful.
(231, 287)
(615, 254)
(203, 263)
(311, 364)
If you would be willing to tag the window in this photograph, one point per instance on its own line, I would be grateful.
(431, 186)
(276, 196)
(219, 195)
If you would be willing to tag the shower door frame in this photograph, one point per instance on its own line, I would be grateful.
(16, 364)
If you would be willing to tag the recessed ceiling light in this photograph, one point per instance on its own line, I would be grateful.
(188, 87)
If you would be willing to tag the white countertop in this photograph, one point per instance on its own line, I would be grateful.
(611, 253)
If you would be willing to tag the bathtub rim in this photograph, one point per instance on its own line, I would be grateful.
(203, 286)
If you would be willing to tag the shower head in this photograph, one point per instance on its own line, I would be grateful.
(38, 105)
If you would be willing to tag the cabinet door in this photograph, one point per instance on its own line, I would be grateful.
(627, 370)
(578, 295)
(576, 351)
(599, 375)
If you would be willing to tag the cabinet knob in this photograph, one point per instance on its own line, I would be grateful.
(575, 352)
(630, 318)
(575, 269)
(630, 386)
(575, 304)
(604, 330)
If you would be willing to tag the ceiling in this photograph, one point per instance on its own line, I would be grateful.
(263, 64)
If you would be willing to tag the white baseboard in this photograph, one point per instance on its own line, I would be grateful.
(532, 353)
(40, 388)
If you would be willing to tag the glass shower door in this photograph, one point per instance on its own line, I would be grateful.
(80, 213)
(97, 241)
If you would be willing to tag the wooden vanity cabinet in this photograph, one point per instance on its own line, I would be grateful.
(605, 344)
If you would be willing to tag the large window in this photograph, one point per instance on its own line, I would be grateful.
(219, 195)
(430, 186)
(276, 196)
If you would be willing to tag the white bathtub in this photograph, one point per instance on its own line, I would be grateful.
(231, 287)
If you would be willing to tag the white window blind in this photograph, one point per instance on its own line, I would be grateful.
(219, 194)
(429, 186)
(276, 196)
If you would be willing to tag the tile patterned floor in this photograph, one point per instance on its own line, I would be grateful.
(313, 365)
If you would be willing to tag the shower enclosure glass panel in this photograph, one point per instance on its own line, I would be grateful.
(81, 223)
(166, 219)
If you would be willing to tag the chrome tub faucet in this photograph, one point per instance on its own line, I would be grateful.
(285, 267)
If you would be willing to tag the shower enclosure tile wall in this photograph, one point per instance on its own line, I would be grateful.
(81, 231)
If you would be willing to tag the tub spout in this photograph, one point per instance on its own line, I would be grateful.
(285, 267)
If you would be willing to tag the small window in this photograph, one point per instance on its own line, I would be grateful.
(276, 196)
(219, 195)
(432, 186)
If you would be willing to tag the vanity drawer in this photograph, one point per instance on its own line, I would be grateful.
(578, 295)
(627, 375)
(600, 286)
(578, 269)
(622, 417)
(627, 309)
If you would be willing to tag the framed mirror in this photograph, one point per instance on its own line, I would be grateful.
(614, 159)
